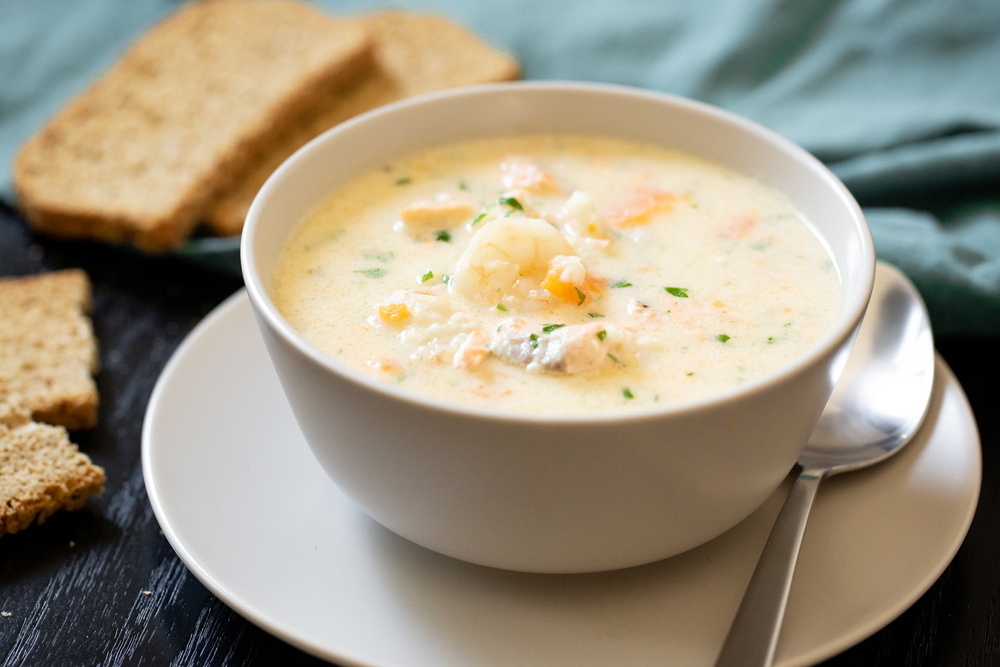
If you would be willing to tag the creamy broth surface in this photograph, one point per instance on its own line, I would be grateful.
(558, 274)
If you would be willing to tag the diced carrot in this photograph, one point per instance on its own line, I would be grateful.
(561, 290)
(394, 312)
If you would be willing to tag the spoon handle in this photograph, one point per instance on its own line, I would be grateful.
(753, 636)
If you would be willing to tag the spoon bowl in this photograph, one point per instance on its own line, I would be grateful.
(884, 392)
(877, 406)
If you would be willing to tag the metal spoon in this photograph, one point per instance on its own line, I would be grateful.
(877, 406)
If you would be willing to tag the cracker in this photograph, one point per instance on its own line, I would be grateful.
(47, 347)
(415, 53)
(41, 471)
(137, 157)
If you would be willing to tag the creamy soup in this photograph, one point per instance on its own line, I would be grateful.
(558, 274)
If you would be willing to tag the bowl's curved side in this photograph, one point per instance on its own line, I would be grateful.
(554, 493)
(552, 497)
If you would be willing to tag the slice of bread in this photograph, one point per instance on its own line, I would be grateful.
(137, 157)
(47, 347)
(414, 54)
(41, 471)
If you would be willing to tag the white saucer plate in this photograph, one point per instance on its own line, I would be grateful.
(250, 512)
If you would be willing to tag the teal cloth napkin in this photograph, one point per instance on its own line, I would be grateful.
(901, 98)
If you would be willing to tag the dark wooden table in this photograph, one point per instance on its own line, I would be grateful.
(74, 586)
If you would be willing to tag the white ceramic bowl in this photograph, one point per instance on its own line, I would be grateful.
(553, 493)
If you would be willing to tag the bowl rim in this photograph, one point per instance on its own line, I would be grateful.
(850, 319)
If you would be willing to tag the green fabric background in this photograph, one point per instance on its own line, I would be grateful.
(901, 98)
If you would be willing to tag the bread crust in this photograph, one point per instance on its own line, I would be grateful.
(48, 351)
(414, 53)
(41, 472)
(137, 157)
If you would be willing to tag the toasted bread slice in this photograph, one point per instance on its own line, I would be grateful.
(137, 157)
(47, 347)
(415, 53)
(41, 471)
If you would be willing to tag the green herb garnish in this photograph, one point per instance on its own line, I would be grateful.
(614, 358)
(549, 328)
(595, 315)
(462, 185)
(373, 273)
(444, 236)
(627, 393)
(602, 334)
(513, 203)
(446, 280)
(427, 276)
(478, 218)
(689, 374)
(402, 181)
(722, 338)
(579, 293)
(679, 292)
(622, 283)
(502, 307)
(378, 256)
(770, 340)
(534, 340)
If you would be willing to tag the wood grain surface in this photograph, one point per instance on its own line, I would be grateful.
(102, 586)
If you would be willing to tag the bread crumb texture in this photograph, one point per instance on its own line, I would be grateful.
(47, 348)
(137, 157)
(41, 471)
(414, 53)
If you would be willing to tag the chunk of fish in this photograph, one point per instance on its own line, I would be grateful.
(577, 348)
(441, 212)
(473, 350)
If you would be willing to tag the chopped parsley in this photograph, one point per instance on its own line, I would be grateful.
(595, 315)
(627, 393)
(444, 236)
(446, 280)
(534, 340)
(502, 307)
(770, 340)
(549, 328)
(579, 293)
(478, 218)
(427, 276)
(622, 283)
(462, 185)
(403, 181)
(378, 256)
(373, 273)
(689, 374)
(679, 292)
(613, 358)
(722, 338)
(602, 334)
(513, 203)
